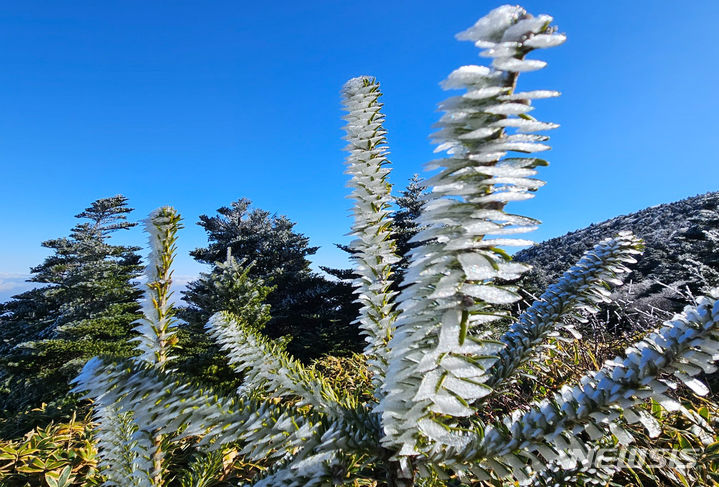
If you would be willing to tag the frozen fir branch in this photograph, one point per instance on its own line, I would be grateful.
(579, 290)
(374, 249)
(684, 347)
(156, 337)
(119, 454)
(124, 451)
(266, 365)
(326, 468)
(156, 329)
(583, 467)
(579, 469)
(160, 404)
(336, 448)
(439, 357)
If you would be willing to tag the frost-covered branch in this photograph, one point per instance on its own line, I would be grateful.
(265, 364)
(324, 468)
(374, 248)
(125, 449)
(438, 356)
(156, 328)
(325, 459)
(120, 456)
(684, 347)
(160, 404)
(156, 337)
(579, 289)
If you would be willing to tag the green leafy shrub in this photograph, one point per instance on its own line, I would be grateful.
(58, 455)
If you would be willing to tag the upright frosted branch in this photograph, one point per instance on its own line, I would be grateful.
(580, 288)
(374, 246)
(157, 327)
(438, 355)
(684, 347)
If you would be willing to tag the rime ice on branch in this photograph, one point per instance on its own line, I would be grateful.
(439, 357)
(374, 248)
(156, 330)
(432, 361)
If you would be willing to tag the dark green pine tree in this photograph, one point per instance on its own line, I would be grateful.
(304, 305)
(86, 306)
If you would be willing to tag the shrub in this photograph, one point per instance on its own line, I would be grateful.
(58, 455)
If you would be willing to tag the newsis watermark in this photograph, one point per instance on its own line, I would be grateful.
(618, 458)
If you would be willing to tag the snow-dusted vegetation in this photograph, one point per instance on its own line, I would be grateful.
(435, 360)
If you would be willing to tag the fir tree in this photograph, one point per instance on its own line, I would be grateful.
(304, 305)
(406, 222)
(228, 286)
(86, 307)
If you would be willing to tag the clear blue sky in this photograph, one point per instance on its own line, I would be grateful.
(198, 103)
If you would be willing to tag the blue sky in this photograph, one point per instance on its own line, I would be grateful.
(196, 104)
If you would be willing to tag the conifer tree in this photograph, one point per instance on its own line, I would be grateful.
(304, 306)
(406, 221)
(85, 307)
(227, 287)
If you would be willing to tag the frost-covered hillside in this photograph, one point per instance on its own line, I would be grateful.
(682, 240)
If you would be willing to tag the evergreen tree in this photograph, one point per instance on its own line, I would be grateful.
(303, 304)
(346, 274)
(406, 224)
(85, 307)
(228, 287)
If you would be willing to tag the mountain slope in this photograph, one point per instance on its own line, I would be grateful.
(682, 251)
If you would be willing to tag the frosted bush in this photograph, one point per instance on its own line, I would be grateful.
(434, 363)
